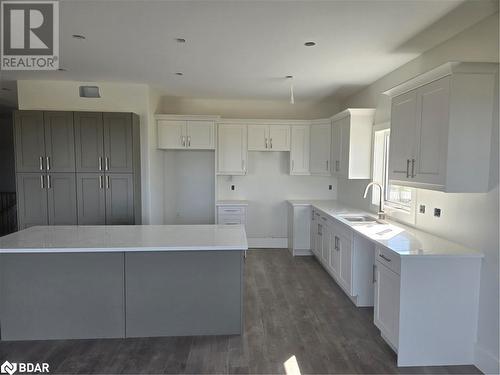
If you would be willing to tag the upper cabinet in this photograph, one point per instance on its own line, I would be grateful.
(299, 150)
(186, 132)
(231, 149)
(44, 141)
(351, 143)
(104, 142)
(321, 136)
(441, 128)
(268, 137)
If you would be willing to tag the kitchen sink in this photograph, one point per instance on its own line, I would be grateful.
(360, 219)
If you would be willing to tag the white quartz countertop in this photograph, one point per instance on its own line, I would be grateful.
(400, 238)
(233, 202)
(124, 238)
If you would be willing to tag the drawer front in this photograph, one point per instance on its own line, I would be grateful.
(230, 210)
(231, 219)
(341, 230)
(388, 258)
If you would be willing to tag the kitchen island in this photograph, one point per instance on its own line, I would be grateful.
(79, 282)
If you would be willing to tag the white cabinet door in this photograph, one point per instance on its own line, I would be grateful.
(279, 138)
(258, 137)
(200, 135)
(386, 303)
(171, 134)
(345, 266)
(325, 242)
(336, 146)
(299, 150)
(403, 134)
(345, 151)
(429, 164)
(320, 149)
(232, 149)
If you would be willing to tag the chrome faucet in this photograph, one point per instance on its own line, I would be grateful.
(381, 213)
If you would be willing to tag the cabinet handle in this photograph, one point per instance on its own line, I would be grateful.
(374, 278)
(107, 182)
(323, 218)
(243, 165)
(183, 142)
(327, 165)
(231, 210)
(412, 167)
(106, 163)
(41, 182)
(407, 168)
(232, 223)
(293, 165)
(337, 247)
(384, 257)
(100, 182)
(100, 163)
(266, 143)
(271, 142)
(47, 158)
(337, 167)
(189, 141)
(41, 163)
(49, 182)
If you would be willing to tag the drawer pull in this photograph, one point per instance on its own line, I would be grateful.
(230, 210)
(323, 218)
(384, 257)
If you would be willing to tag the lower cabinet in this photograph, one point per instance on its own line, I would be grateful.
(347, 257)
(46, 199)
(105, 198)
(386, 303)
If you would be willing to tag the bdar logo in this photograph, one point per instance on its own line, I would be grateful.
(8, 368)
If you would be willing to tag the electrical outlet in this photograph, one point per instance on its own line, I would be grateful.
(437, 212)
(422, 209)
(232, 187)
(330, 187)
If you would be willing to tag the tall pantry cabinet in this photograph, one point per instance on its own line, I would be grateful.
(77, 168)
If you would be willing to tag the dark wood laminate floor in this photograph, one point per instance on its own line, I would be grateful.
(293, 308)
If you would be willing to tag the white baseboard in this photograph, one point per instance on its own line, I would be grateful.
(302, 252)
(268, 242)
(486, 361)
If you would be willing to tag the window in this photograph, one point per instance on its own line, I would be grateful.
(395, 197)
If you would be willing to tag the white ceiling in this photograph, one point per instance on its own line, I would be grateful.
(240, 49)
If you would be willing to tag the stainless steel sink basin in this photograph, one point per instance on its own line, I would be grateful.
(360, 219)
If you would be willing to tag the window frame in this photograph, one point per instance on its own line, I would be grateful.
(396, 210)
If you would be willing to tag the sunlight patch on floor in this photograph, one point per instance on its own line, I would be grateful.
(291, 366)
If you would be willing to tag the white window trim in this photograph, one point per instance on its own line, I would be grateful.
(404, 215)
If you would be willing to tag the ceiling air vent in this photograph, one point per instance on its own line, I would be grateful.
(89, 92)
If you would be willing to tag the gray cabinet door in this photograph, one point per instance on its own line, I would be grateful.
(31, 199)
(119, 199)
(59, 142)
(118, 145)
(89, 144)
(61, 198)
(30, 144)
(91, 198)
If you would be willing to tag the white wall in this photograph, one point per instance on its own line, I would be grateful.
(264, 109)
(189, 187)
(116, 97)
(267, 186)
(471, 219)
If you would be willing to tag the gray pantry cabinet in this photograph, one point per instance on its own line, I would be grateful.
(77, 168)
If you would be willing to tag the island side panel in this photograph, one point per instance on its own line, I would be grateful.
(62, 296)
(183, 293)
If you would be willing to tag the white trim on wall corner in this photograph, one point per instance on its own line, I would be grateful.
(485, 360)
(268, 242)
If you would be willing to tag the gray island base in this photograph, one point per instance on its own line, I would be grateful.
(129, 281)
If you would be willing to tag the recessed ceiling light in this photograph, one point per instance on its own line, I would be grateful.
(179, 74)
(78, 36)
(180, 40)
(310, 44)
